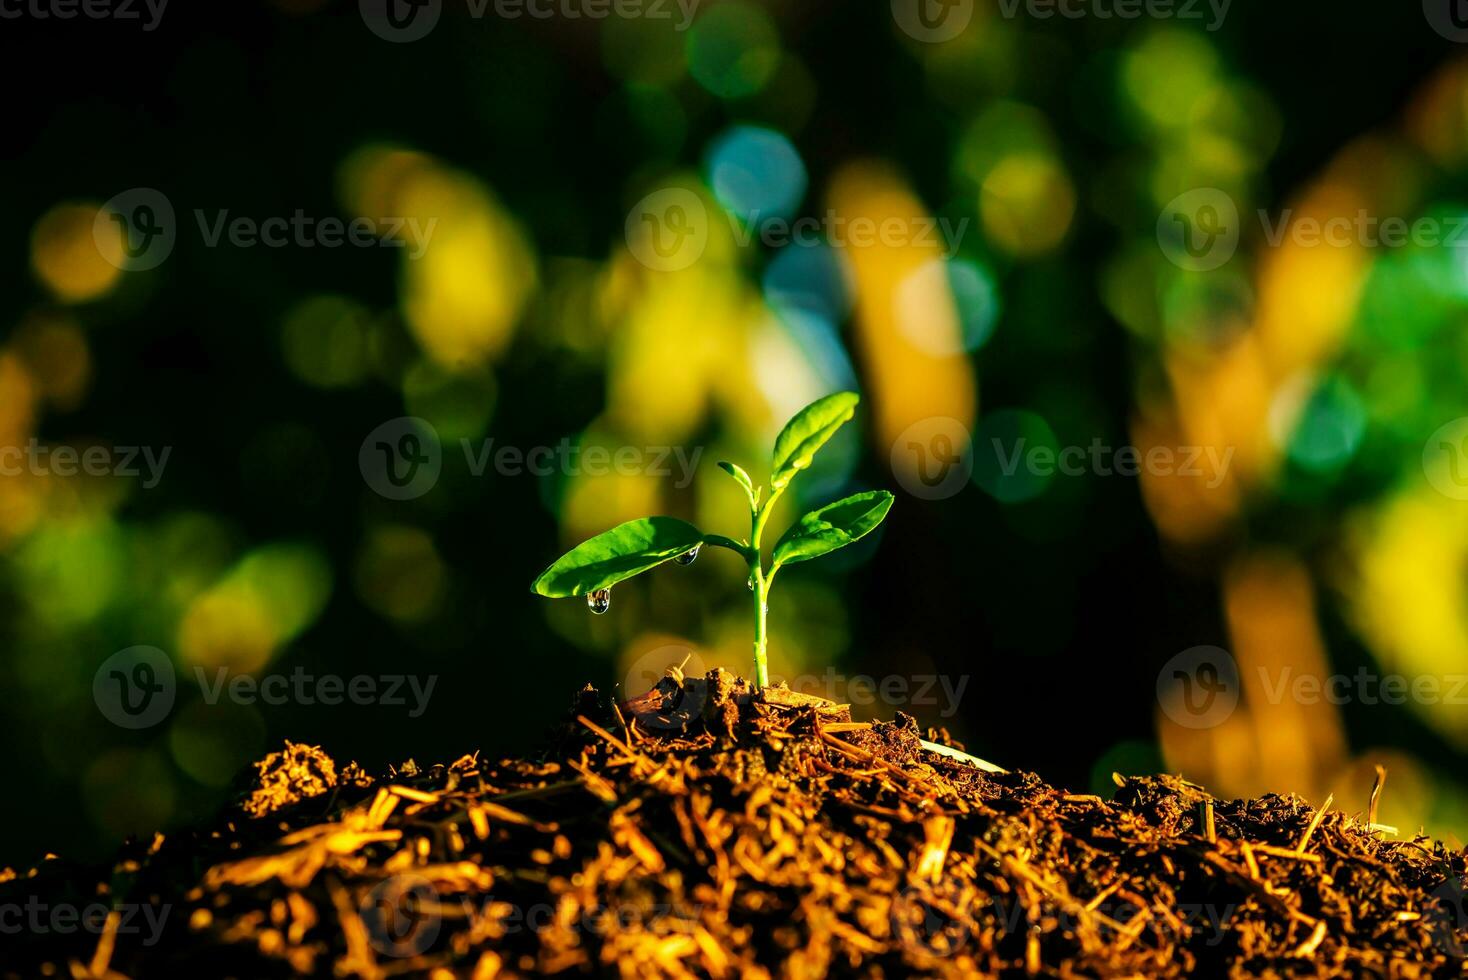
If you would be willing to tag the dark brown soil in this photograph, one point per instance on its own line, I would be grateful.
(706, 830)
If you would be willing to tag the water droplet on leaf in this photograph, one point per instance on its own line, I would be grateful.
(750, 583)
(690, 556)
(599, 600)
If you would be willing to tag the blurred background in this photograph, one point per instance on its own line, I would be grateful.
(573, 249)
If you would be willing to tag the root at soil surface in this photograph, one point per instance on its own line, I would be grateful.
(708, 830)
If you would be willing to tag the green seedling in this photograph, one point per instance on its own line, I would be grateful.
(591, 568)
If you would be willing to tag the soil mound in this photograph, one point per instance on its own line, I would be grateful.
(706, 829)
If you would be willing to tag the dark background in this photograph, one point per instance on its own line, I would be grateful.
(1060, 609)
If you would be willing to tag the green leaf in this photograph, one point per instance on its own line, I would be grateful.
(807, 432)
(741, 478)
(833, 526)
(624, 551)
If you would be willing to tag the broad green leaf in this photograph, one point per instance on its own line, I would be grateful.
(741, 478)
(807, 432)
(832, 526)
(624, 551)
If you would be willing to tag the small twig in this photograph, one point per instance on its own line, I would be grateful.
(1205, 813)
(1308, 947)
(102, 958)
(1248, 851)
(632, 735)
(1314, 822)
(1283, 852)
(632, 754)
(1375, 795)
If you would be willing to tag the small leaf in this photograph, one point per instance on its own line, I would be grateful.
(624, 551)
(742, 478)
(833, 526)
(807, 432)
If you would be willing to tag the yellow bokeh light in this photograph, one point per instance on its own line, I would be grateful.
(68, 258)
(227, 628)
(909, 383)
(58, 358)
(473, 274)
(1405, 594)
(1027, 203)
(400, 574)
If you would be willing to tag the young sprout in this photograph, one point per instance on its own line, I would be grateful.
(593, 567)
